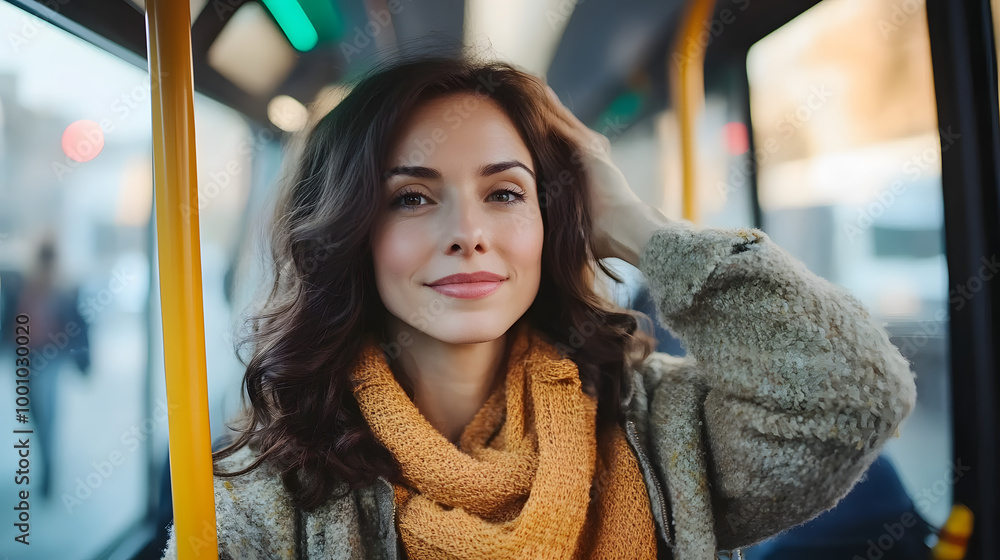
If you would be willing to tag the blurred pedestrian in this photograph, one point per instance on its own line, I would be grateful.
(58, 333)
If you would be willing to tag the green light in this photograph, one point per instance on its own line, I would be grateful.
(622, 110)
(324, 18)
(294, 23)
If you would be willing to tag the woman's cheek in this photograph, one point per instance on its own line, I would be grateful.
(396, 250)
(532, 237)
(527, 241)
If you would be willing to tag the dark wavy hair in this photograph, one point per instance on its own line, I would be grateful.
(305, 339)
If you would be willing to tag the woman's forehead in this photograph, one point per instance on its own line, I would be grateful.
(459, 130)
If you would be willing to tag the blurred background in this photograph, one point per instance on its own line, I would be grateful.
(819, 126)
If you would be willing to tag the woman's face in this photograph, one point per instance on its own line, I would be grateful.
(460, 198)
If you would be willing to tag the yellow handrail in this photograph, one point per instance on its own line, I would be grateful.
(687, 83)
(176, 187)
(953, 537)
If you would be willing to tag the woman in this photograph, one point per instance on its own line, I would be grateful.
(434, 376)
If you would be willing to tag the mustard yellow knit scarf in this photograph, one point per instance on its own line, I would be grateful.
(544, 486)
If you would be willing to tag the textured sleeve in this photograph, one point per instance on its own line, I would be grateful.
(254, 517)
(170, 552)
(789, 384)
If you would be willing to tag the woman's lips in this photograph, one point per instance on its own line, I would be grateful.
(468, 290)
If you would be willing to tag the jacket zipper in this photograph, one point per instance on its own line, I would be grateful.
(400, 553)
(391, 528)
(630, 425)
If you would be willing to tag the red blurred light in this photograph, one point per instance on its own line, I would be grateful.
(83, 140)
(737, 139)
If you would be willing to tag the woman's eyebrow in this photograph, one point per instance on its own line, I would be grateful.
(430, 173)
(412, 171)
(494, 168)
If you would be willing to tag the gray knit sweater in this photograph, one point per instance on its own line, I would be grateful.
(788, 392)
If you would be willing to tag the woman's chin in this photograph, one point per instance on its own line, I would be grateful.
(467, 331)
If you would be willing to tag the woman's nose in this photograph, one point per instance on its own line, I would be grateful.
(466, 229)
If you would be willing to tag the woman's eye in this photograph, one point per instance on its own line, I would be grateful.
(412, 200)
(508, 196)
(409, 200)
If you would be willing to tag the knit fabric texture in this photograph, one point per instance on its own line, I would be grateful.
(788, 392)
(527, 479)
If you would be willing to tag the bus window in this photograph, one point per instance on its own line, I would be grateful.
(77, 190)
(722, 175)
(849, 155)
(723, 179)
(77, 259)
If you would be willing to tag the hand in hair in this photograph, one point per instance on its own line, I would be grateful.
(622, 223)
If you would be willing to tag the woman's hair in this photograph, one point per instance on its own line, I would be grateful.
(305, 339)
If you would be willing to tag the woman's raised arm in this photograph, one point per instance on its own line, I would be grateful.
(789, 390)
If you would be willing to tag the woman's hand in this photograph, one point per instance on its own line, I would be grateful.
(622, 223)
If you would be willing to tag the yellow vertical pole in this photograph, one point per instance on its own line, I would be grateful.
(953, 538)
(687, 82)
(168, 27)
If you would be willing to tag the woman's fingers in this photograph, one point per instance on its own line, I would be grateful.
(588, 138)
(563, 117)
